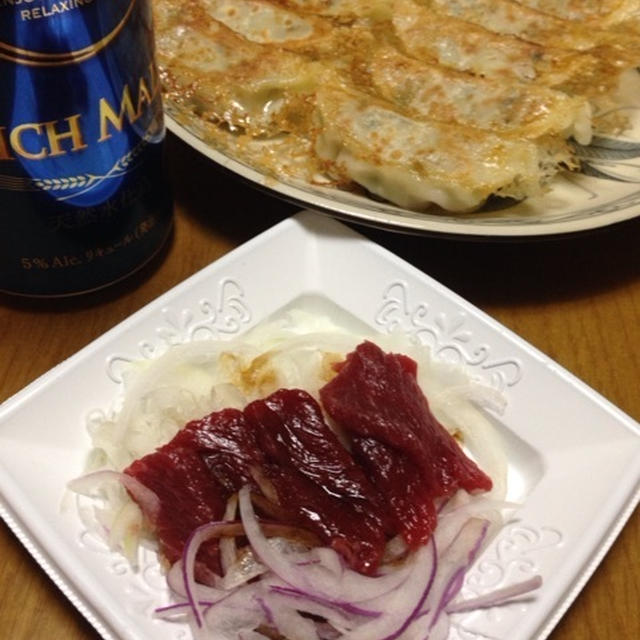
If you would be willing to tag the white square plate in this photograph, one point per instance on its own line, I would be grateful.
(557, 430)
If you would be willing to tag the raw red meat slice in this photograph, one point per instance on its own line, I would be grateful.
(291, 430)
(227, 444)
(315, 477)
(188, 498)
(193, 476)
(375, 396)
(400, 482)
(358, 539)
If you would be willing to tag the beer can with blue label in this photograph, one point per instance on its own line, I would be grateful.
(83, 200)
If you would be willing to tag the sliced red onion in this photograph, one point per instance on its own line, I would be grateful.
(497, 596)
(88, 483)
(439, 631)
(330, 560)
(246, 567)
(147, 500)
(271, 509)
(357, 588)
(297, 538)
(453, 587)
(286, 570)
(175, 581)
(474, 528)
(405, 603)
(452, 520)
(430, 623)
(305, 604)
(268, 612)
(347, 607)
(179, 610)
(415, 609)
(195, 540)
(453, 563)
(314, 578)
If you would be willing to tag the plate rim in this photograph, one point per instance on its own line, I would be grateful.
(418, 226)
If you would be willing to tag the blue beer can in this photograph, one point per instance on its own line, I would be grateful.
(83, 200)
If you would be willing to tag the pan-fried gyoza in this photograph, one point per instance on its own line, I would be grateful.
(418, 102)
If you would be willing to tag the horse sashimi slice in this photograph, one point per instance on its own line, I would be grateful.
(227, 444)
(376, 395)
(193, 476)
(291, 430)
(188, 497)
(358, 540)
(316, 478)
(376, 399)
(399, 481)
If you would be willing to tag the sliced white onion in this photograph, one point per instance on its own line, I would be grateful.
(239, 612)
(453, 516)
(252, 635)
(89, 483)
(289, 623)
(395, 549)
(228, 550)
(245, 568)
(125, 531)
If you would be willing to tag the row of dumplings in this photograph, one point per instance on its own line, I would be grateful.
(419, 102)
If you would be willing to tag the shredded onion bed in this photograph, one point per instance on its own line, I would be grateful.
(282, 583)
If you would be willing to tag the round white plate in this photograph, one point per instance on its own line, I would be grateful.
(606, 192)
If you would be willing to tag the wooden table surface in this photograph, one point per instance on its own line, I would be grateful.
(576, 299)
